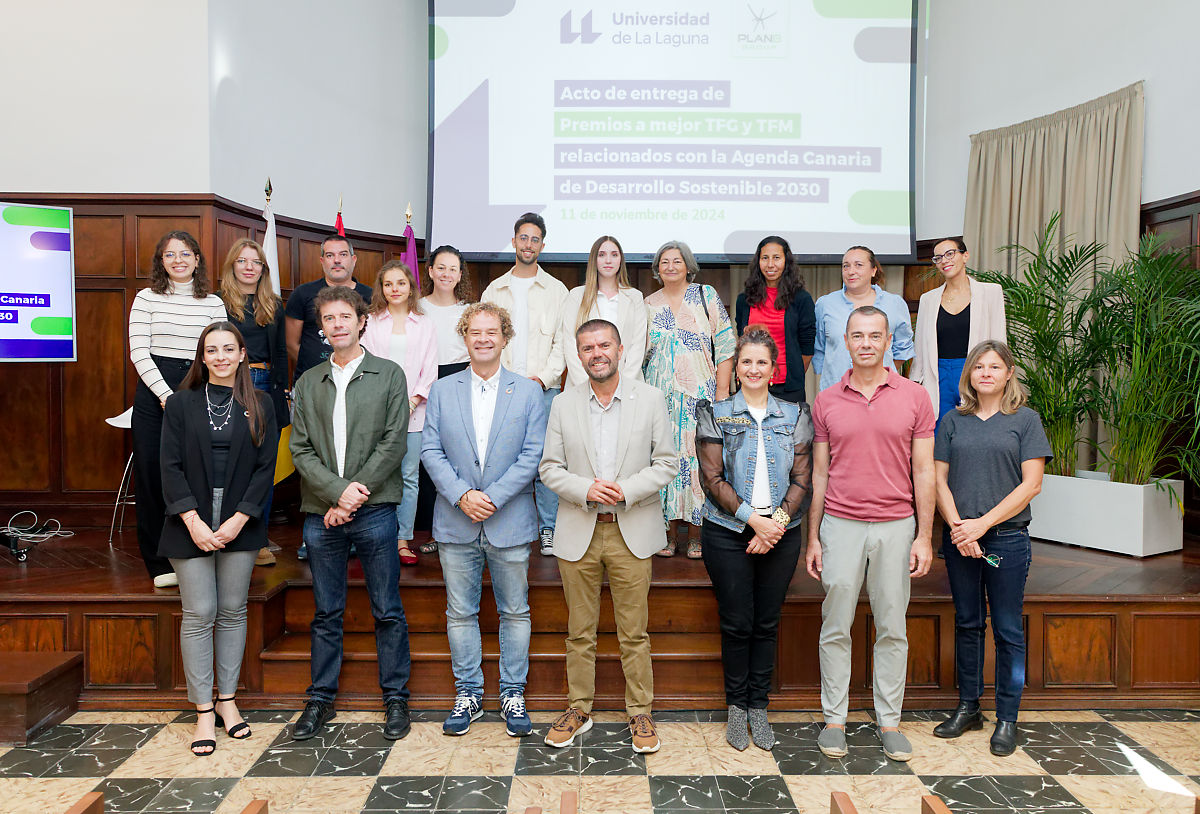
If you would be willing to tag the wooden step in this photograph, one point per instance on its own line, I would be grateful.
(674, 608)
(38, 689)
(686, 666)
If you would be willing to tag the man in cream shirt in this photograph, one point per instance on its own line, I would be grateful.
(608, 452)
(534, 300)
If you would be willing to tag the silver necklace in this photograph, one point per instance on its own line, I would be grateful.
(216, 411)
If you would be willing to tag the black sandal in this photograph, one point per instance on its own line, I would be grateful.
(207, 742)
(236, 731)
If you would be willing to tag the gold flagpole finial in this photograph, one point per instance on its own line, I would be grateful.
(408, 214)
(267, 189)
(339, 204)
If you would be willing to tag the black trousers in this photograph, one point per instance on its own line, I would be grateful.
(146, 424)
(750, 590)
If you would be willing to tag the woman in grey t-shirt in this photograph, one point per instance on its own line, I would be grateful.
(989, 456)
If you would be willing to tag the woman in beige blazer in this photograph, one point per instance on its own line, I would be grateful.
(605, 294)
(951, 319)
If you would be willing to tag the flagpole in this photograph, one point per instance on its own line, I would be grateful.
(270, 244)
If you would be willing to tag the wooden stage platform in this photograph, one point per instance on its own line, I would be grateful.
(1103, 630)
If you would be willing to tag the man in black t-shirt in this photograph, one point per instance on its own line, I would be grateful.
(306, 342)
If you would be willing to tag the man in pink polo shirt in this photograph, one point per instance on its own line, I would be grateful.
(873, 448)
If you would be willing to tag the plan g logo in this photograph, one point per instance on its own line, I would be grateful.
(762, 32)
(566, 34)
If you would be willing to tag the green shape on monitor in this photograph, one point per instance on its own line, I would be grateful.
(37, 216)
(51, 326)
(879, 207)
(439, 42)
(865, 9)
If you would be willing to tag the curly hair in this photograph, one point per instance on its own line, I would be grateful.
(791, 282)
(474, 309)
(160, 281)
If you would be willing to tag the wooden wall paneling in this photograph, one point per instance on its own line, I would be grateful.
(310, 261)
(366, 269)
(286, 270)
(1165, 650)
(228, 233)
(120, 649)
(1080, 650)
(25, 431)
(30, 632)
(797, 648)
(99, 245)
(93, 390)
(148, 230)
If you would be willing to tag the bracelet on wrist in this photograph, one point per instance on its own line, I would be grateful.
(781, 517)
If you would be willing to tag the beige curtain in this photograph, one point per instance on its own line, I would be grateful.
(1085, 162)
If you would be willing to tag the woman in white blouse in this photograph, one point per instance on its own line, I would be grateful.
(605, 294)
(165, 324)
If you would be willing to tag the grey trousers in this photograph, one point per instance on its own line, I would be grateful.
(212, 591)
(850, 551)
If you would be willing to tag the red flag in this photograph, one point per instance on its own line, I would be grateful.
(337, 224)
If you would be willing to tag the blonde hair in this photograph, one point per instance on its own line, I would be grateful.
(476, 308)
(379, 302)
(591, 279)
(266, 301)
(1013, 397)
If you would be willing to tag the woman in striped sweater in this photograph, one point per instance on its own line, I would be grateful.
(165, 324)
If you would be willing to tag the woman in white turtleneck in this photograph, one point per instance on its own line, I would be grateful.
(165, 324)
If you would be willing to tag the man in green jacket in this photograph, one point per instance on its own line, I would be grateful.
(349, 434)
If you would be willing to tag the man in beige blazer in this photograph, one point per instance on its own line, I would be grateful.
(608, 453)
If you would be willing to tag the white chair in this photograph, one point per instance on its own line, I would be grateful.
(124, 421)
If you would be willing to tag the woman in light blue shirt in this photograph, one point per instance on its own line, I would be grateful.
(862, 281)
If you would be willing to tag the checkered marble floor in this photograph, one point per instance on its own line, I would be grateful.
(1105, 761)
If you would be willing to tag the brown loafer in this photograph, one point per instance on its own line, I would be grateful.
(265, 557)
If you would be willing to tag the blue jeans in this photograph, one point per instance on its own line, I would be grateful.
(262, 381)
(543, 496)
(406, 509)
(949, 373)
(462, 570)
(373, 532)
(976, 587)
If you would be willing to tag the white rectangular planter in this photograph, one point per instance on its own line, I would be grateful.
(1092, 512)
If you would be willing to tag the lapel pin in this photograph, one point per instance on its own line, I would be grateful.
(508, 391)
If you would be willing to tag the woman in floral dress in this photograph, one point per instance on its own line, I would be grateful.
(689, 356)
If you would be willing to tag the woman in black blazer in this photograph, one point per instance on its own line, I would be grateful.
(219, 440)
(253, 306)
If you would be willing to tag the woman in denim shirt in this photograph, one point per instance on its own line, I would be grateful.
(755, 456)
(989, 456)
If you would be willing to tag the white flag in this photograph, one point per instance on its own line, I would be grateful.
(271, 249)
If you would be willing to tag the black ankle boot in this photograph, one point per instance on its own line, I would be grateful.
(966, 717)
(1004, 739)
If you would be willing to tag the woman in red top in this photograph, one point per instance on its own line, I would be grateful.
(775, 297)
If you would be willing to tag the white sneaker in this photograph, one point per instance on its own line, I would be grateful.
(167, 580)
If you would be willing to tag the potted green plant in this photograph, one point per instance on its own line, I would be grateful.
(1048, 308)
(1128, 356)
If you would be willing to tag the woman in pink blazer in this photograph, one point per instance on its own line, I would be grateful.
(951, 319)
(397, 330)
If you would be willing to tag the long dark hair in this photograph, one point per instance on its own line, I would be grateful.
(462, 291)
(791, 282)
(243, 388)
(160, 281)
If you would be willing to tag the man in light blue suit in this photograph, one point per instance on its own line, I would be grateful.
(483, 437)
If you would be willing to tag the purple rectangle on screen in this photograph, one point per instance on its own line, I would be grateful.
(10, 298)
(8, 317)
(36, 349)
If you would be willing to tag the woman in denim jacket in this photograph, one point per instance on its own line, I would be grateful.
(755, 456)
